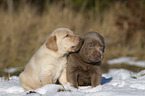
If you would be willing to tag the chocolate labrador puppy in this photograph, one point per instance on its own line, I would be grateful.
(84, 67)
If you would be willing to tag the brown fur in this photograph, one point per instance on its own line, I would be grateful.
(84, 67)
(51, 43)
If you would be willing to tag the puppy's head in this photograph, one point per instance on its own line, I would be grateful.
(62, 40)
(92, 48)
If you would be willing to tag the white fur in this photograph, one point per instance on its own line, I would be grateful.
(46, 66)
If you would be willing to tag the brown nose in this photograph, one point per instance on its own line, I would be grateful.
(98, 55)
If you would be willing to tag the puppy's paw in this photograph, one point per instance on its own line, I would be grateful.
(75, 85)
(54, 79)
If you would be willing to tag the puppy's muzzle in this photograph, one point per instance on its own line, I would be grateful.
(99, 56)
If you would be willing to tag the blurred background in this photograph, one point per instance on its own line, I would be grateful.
(25, 25)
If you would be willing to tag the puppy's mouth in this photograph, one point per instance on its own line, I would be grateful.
(72, 49)
(99, 56)
(96, 58)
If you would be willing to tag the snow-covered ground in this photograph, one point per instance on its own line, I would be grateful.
(117, 82)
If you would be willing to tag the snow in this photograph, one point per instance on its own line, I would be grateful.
(12, 70)
(127, 60)
(117, 82)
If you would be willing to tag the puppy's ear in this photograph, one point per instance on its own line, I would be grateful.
(51, 43)
(103, 43)
(79, 46)
(104, 48)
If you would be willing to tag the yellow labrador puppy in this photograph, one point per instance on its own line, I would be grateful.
(49, 62)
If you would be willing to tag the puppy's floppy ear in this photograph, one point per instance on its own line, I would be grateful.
(51, 43)
(103, 45)
(103, 42)
(104, 48)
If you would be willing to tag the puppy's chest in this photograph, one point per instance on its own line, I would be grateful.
(85, 69)
(61, 62)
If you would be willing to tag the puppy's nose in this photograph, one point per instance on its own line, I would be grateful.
(98, 55)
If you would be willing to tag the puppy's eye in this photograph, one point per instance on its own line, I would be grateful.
(91, 45)
(67, 35)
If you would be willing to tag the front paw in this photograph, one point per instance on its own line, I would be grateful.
(54, 80)
(74, 85)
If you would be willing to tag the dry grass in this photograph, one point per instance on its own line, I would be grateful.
(23, 33)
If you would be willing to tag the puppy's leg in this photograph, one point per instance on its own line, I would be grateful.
(72, 78)
(56, 75)
(45, 74)
(96, 79)
(46, 79)
(62, 78)
(58, 71)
